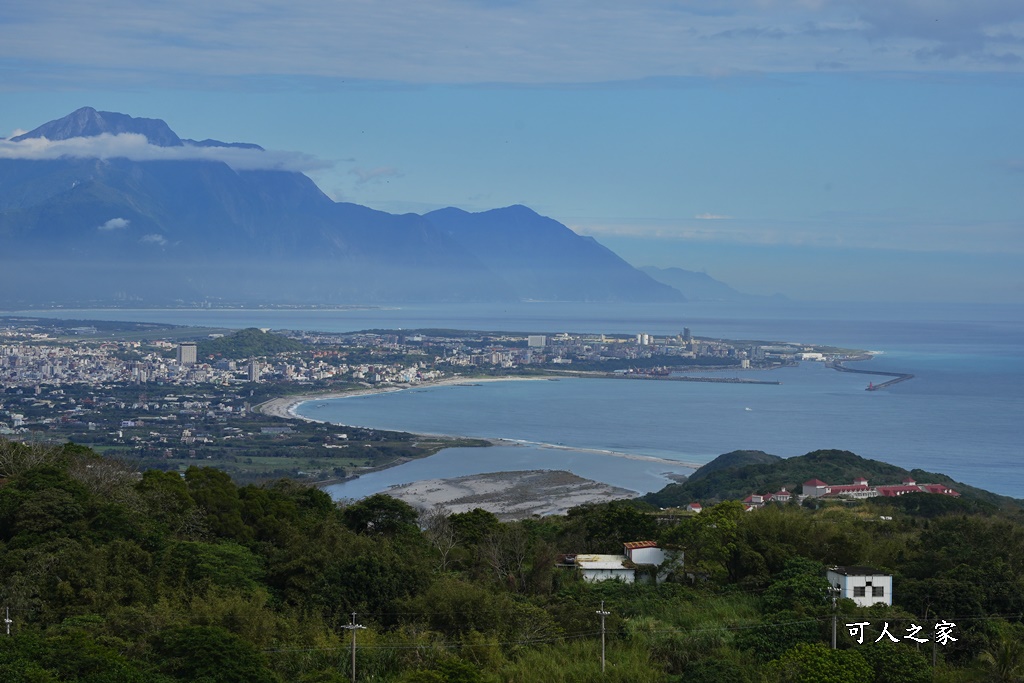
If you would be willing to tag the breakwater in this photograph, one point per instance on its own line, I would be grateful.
(686, 378)
(897, 377)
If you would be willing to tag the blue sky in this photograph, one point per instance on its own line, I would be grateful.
(857, 149)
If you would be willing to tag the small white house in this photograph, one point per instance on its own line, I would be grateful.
(604, 567)
(644, 552)
(641, 561)
(651, 562)
(866, 586)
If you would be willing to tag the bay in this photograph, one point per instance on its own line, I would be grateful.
(961, 414)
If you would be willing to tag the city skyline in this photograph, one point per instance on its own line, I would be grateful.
(823, 150)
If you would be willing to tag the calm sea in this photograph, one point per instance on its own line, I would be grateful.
(961, 414)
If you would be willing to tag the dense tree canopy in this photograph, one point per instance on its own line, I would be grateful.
(115, 575)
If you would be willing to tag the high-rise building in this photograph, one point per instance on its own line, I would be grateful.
(254, 370)
(536, 341)
(187, 353)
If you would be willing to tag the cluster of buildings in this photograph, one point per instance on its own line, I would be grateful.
(859, 489)
(640, 561)
(510, 351)
(815, 488)
(30, 356)
(645, 562)
(26, 365)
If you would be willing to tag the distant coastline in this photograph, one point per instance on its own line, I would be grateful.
(285, 407)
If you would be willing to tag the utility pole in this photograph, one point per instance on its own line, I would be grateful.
(353, 627)
(7, 620)
(603, 614)
(832, 590)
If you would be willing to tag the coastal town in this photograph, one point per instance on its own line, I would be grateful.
(167, 397)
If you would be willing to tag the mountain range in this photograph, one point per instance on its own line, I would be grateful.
(100, 206)
(702, 287)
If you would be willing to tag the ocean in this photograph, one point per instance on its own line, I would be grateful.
(960, 415)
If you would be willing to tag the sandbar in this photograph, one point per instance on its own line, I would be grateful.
(509, 495)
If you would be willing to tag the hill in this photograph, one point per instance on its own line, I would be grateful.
(248, 343)
(113, 208)
(734, 476)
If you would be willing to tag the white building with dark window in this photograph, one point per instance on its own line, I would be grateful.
(866, 586)
(186, 353)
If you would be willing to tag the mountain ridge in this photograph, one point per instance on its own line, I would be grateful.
(172, 229)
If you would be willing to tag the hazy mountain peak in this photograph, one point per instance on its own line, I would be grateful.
(88, 122)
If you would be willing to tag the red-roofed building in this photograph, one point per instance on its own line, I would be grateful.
(755, 500)
(694, 507)
(782, 496)
(851, 490)
(816, 488)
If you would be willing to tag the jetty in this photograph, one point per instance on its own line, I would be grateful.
(897, 377)
(686, 378)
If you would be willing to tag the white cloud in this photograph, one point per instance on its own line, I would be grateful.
(158, 240)
(136, 147)
(712, 217)
(115, 224)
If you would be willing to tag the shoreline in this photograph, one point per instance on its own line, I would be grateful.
(285, 408)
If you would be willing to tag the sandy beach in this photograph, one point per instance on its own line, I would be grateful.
(284, 407)
(509, 495)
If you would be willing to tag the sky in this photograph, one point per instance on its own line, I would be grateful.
(822, 149)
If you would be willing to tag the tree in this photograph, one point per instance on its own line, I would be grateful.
(816, 663)
(210, 653)
(380, 514)
(897, 663)
(440, 532)
(214, 491)
(801, 586)
(474, 526)
(1003, 660)
(606, 526)
(711, 540)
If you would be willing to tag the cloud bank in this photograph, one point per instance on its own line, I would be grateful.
(136, 147)
(512, 41)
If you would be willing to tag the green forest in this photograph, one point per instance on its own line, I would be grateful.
(111, 575)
